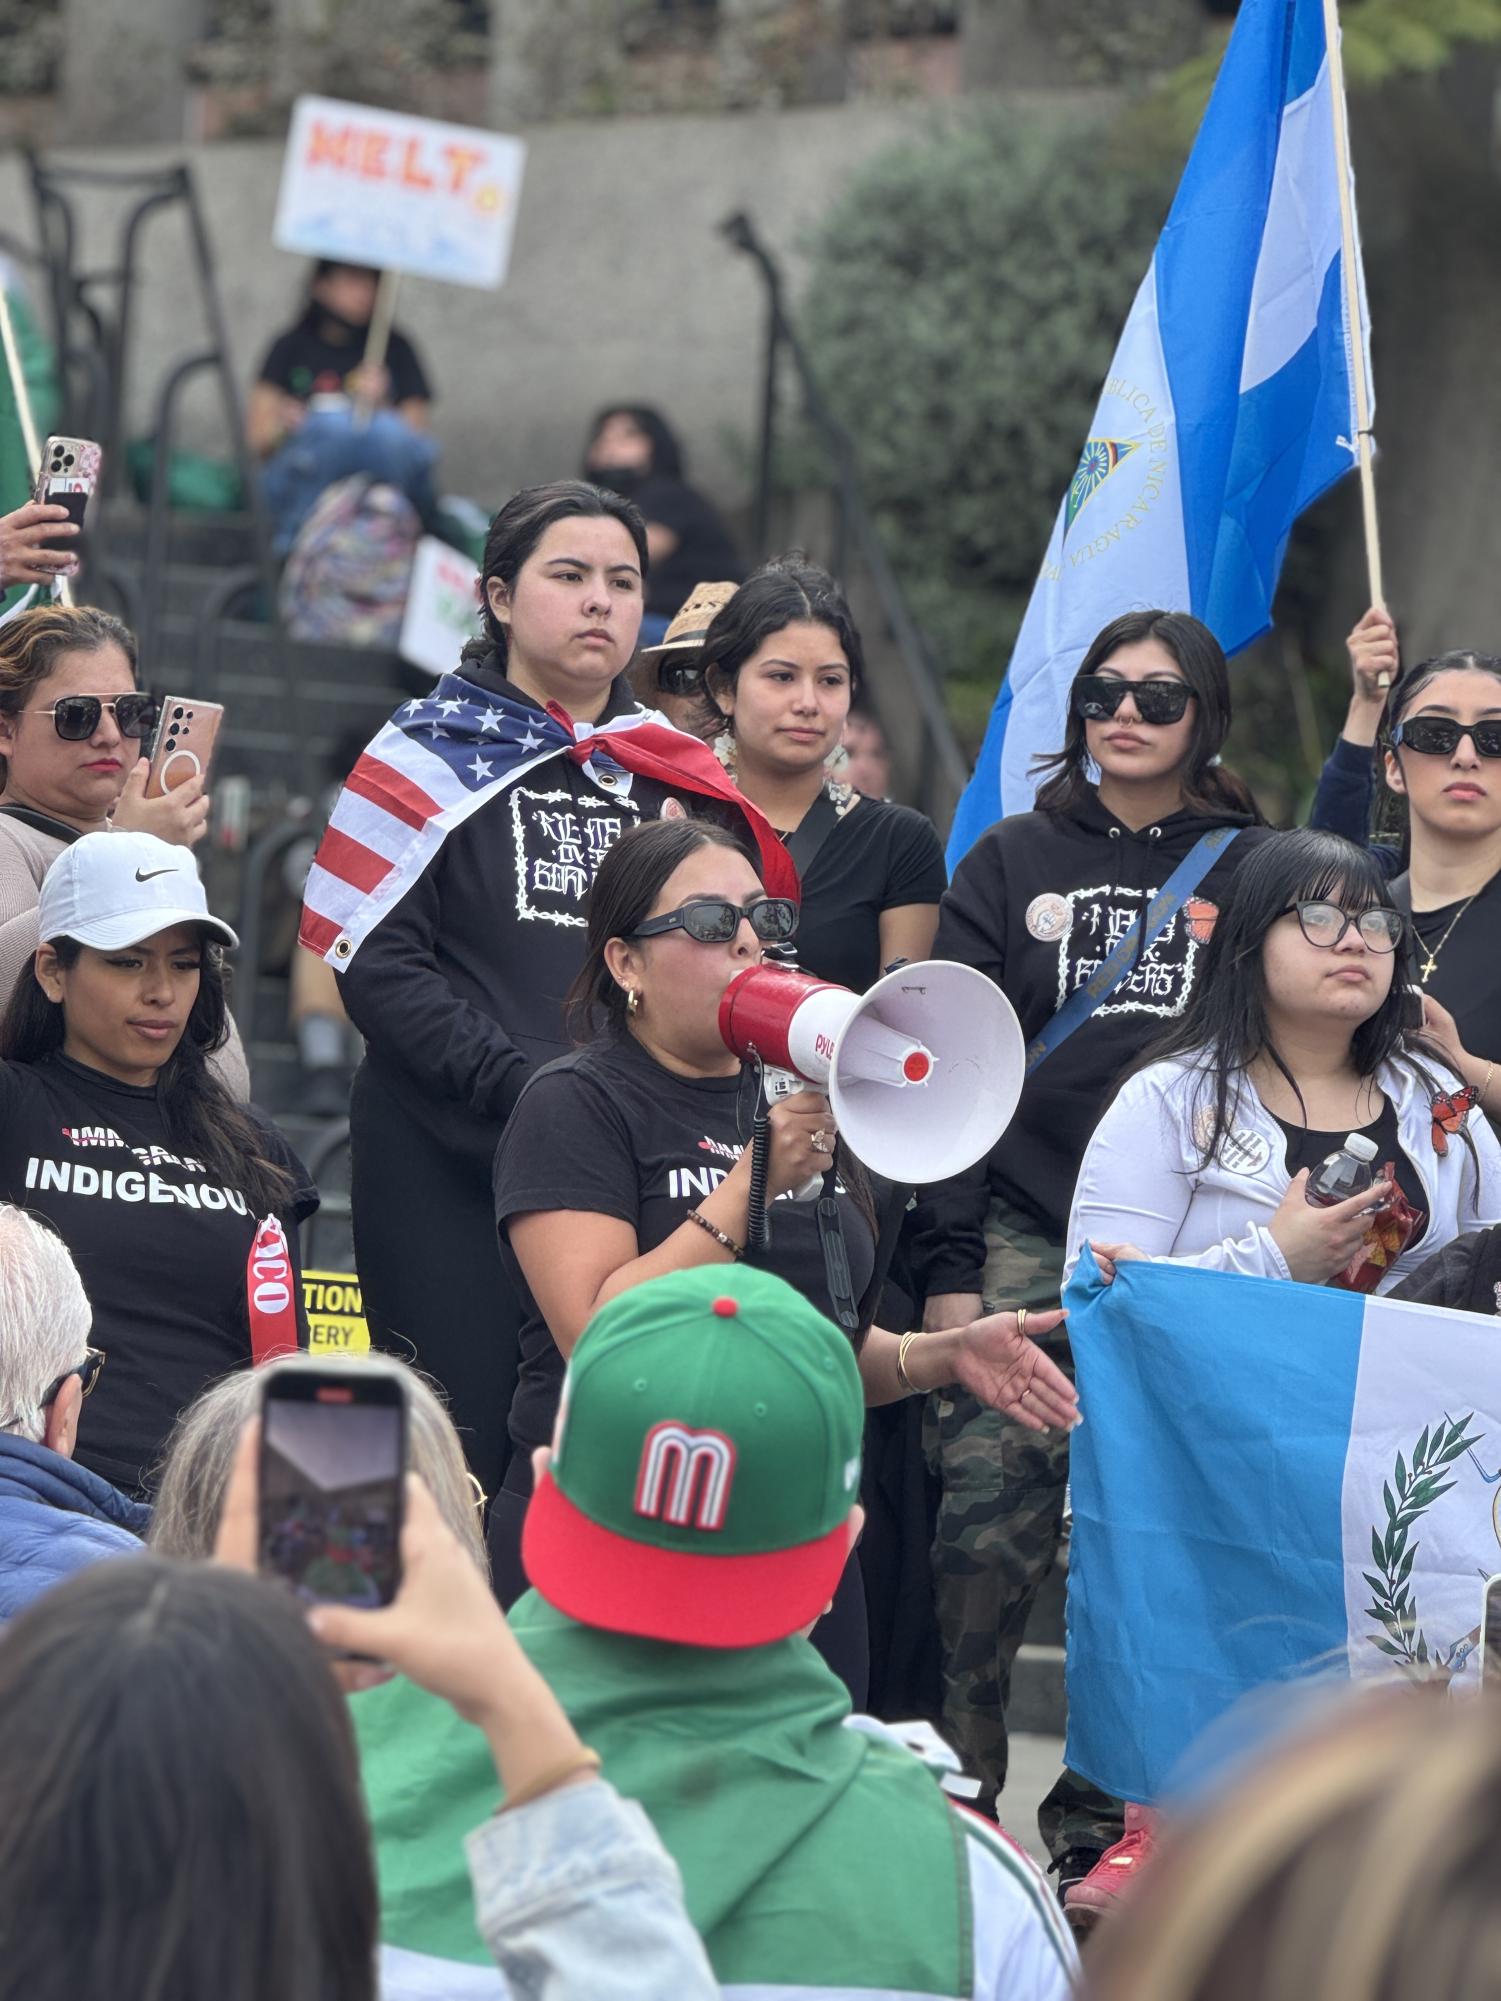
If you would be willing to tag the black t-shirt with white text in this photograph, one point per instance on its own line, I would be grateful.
(610, 1131)
(161, 1248)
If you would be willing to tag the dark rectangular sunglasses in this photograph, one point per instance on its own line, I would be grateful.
(1097, 697)
(680, 677)
(76, 717)
(1438, 736)
(714, 920)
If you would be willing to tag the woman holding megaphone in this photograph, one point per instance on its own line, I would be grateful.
(630, 1158)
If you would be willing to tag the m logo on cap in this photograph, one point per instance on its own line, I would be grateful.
(685, 1476)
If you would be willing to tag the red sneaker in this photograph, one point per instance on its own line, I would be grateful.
(1111, 1878)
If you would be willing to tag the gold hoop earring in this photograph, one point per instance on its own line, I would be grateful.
(632, 1002)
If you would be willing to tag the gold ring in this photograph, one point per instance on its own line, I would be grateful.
(822, 1143)
(1021, 1321)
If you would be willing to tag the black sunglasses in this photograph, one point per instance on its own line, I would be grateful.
(1097, 697)
(87, 1372)
(1438, 736)
(1324, 924)
(714, 920)
(680, 677)
(76, 717)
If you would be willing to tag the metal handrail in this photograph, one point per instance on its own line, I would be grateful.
(271, 846)
(943, 769)
(331, 1208)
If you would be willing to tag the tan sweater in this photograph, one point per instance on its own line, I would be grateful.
(26, 854)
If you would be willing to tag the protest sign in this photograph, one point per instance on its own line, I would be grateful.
(335, 1309)
(402, 194)
(442, 607)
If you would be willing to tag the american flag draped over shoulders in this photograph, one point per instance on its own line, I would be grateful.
(443, 757)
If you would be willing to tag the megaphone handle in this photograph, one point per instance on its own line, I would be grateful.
(757, 1234)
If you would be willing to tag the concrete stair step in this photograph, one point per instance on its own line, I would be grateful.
(1037, 1695)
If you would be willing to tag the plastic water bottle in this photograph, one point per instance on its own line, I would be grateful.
(1340, 1175)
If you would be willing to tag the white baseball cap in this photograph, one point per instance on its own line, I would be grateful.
(113, 889)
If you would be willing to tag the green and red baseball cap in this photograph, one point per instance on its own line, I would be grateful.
(705, 1462)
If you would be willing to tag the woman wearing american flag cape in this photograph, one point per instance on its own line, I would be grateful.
(448, 893)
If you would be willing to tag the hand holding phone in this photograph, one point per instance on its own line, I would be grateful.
(332, 1483)
(184, 747)
(67, 478)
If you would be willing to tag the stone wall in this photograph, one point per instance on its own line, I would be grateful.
(621, 288)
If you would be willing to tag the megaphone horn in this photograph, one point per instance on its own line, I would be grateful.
(924, 1071)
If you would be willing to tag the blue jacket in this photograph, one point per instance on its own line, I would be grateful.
(55, 1518)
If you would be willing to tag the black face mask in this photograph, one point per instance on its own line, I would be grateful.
(623, 480)
(349, 330)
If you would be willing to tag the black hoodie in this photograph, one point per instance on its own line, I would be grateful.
(1036, 904)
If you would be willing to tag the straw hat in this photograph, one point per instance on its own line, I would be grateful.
(690, 628)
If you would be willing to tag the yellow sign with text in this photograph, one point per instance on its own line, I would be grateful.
(335, 1313)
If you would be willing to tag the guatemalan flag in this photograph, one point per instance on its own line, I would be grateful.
(1229, 406)
(1272, 1481)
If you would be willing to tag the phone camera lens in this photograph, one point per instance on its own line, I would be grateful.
(177, 714)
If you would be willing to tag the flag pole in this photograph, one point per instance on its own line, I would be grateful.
(1351, 261)
(29, 439)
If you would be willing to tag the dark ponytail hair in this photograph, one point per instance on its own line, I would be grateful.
(628, 883)
(1393, 820)
(520, 526)
(1207, 786)
(1224, 1028)
(200, 1115)
(789, 590)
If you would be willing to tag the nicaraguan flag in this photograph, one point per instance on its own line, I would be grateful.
(1229, 406)
(1271, 1480)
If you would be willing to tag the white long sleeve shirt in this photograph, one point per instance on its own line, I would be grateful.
(1141, 1181)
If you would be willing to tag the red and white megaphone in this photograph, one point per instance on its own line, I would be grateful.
(923, 1072)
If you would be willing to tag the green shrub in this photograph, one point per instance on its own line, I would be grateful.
(967, 294)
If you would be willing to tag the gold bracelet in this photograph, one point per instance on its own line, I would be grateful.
(582, 1760)
(720, 1236)
(901, 1362)
(1485, 1085)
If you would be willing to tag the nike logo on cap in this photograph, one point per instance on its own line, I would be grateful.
(150, 874)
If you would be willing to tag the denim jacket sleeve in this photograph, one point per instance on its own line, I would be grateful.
(578, 1900)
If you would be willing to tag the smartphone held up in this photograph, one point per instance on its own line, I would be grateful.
(332, 1483)
(67, 477)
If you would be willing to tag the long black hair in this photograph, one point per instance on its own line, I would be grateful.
(628, 883)
(200, 1115)
(666, 451)
(1207, 786)
(1224, 1027)
(789, 590)
(180, 1806)
(520, 526)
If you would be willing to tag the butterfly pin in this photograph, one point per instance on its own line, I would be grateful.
(1449, 1115)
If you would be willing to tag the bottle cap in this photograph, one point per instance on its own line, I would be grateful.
(1360, 1146)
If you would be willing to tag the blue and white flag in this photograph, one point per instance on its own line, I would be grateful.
(1271, 1480)
(1229, 407)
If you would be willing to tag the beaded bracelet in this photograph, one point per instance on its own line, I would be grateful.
(720, 1237)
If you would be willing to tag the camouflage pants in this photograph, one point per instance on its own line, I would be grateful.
(1000, 1521)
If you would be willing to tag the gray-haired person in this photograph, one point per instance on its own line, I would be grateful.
(55, 1517)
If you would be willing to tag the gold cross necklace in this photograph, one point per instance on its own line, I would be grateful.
(1430, 964)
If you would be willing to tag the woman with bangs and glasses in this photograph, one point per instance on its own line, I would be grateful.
(74, 729)
(630, 1158)
(1293, 1039)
